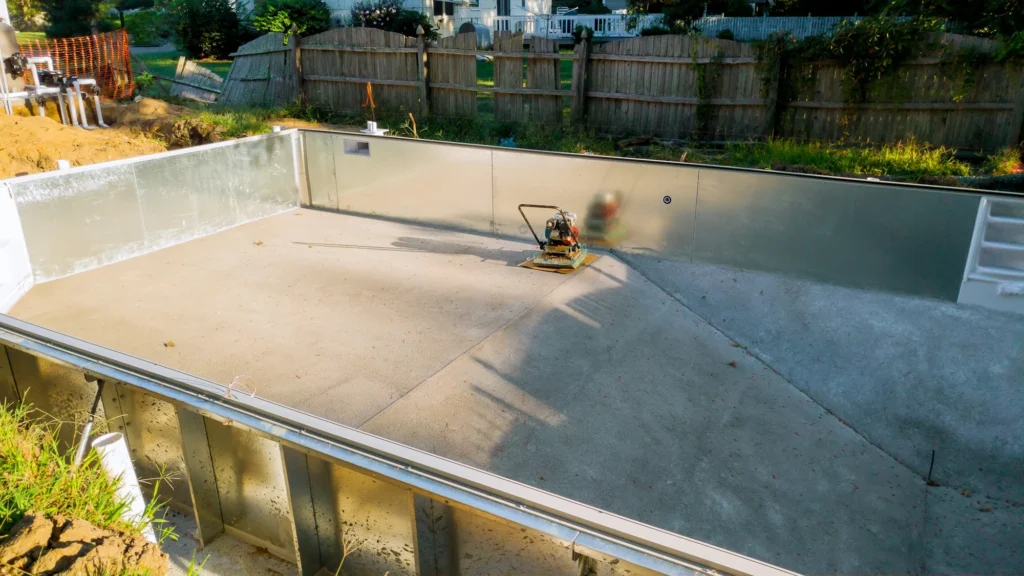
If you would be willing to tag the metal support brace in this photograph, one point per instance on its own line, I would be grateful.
(8, 387)
(202, 483)
(300, 500)
(435, 537)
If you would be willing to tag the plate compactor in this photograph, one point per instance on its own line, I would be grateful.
(561, 247)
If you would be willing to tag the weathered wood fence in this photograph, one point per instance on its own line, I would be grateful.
(922, 99)
(666, 86)
(264, 72)
(194, 82)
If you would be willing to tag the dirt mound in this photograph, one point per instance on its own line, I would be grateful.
(33, 144)
(162, 121)
(38, 545)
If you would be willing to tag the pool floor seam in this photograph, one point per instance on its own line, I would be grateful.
(526, 310)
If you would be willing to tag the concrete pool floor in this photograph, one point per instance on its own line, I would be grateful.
(609, 386)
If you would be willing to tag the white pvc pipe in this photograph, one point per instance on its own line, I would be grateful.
(42, 60)
(96, 101)
(116, 461)
(35, 73)
(4, 87)
(81, 106)
(60, 108)
(70, 93)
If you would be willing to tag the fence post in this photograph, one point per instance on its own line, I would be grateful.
(579, 78)
(295, 60)
(771, 101)
(181, 67)
(421, 69)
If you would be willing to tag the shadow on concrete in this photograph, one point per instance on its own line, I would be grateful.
(612, 393)
(434, 246)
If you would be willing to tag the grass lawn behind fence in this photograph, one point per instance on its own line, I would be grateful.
(485, 77)
(165, 63)
(21, 36)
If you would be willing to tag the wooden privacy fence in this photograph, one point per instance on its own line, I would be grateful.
(194, 82)
(673, 85)
(105, 57)
(666, 86)
(922, 99)
(264, 72)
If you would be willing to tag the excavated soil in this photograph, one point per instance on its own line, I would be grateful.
(68, 547)
(30, 144)
(33, 144)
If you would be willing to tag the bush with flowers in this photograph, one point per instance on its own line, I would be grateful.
(391, 16)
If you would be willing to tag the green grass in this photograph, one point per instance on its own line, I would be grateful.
(910, 161)
(37, 475)
(165, 63)
(1005, 162)
(485, 73)
(30, 36)
(238, 122)
(485, 77)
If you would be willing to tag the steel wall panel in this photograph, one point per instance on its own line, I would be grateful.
(323, 182)
(646, 224)
(428, 182)
(373, 520)
(98, 215)
(58, 391)
(488, 545)
(151, 426)
(187, 196)
(80, 220)
(201, 477)
(251, 483)
(878, 236)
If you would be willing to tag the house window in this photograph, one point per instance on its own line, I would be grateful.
(444, 8)
(504, 8)
(524, 3)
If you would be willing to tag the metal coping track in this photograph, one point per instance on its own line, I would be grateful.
(591, 531)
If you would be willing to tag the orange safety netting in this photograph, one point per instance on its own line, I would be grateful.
(104, 57)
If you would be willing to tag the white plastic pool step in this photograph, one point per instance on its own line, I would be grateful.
(994, 276)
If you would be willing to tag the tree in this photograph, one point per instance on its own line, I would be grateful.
(829, 8)
(71, 17)
(206, 28)
(679, 15)
(982, 17)
(308, 16)
(27, 15)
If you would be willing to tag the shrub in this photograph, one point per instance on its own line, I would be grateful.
(147, 27)
(656, 30)
(1004, 163)
(206, 28)
(389, 15)
(725, 35)
(308, 16)
(144, 81)
(577, 33)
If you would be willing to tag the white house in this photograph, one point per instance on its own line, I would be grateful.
(449, 15)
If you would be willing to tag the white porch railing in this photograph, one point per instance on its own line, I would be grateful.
(553, 26)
